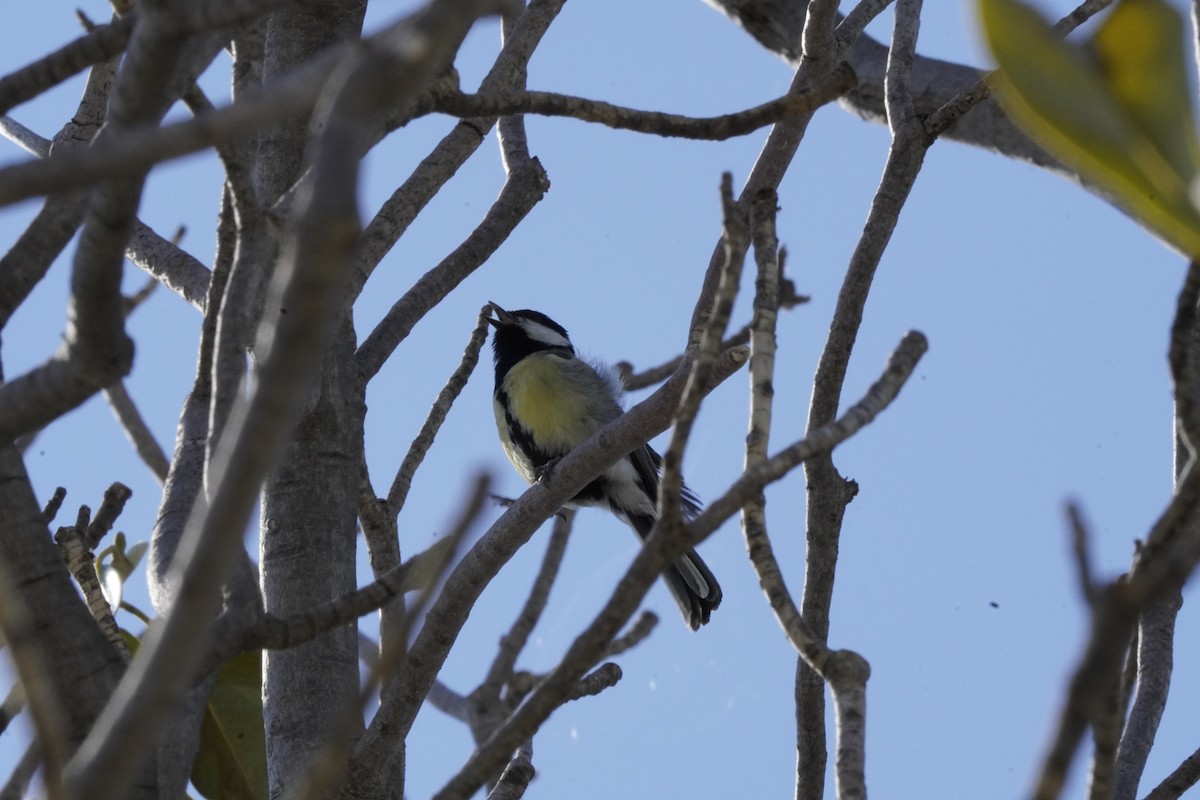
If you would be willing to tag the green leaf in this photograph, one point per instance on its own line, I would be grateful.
(135, 553)
(112, 584)
(1139, 51)
(1099, 114)
(131, 641)
(232, 761)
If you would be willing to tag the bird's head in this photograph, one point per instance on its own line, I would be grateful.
(522, 333)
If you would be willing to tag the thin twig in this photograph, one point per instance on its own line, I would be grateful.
(603, 677)
(448, 701)
(136, 430)
(788, 299)
(111, 506)
(952, 111)
(707, 342)
(419, 572)
(54, 504)
(827, 88)
(513, 642)
(524, 188)
(1081, 548)
(1184, 777)
(14, 704)
(637, 633)
(437, 415)
(22, 774)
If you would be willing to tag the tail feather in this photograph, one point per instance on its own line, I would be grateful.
(689, 579)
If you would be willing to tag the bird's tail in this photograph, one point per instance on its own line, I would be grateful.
(691, 582)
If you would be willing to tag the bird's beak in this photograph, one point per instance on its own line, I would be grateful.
(502, 316)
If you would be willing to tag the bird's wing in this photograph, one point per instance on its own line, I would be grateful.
(647, 461)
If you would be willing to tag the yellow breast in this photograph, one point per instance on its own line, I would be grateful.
(548, 404)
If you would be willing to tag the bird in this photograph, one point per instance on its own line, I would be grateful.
(548, 400)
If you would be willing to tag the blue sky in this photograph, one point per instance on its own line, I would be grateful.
(1047, 314)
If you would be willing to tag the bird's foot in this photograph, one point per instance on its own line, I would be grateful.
(543, 472)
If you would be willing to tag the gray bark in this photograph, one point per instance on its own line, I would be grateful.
(778, 24)
(83, 666)
(308, 530)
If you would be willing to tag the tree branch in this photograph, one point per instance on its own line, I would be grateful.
(1160, 568)
(136, 430)
(402, 60)
(826, 88)
(525, 186)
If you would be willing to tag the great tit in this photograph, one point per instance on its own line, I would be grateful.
(547, 401)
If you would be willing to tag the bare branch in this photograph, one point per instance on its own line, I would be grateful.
(1081, 548)
(419, 572)
(779, 26)
(26, 139)
(513, 642)
(22, 774)
(508, 72)
(174, 267)
(1185, 776)
(54, 504)
(828, 492)
(510, 129)
(826, 88)
(96, 350)
(139, 149)
(92, 48)
(856, 21)
(115, 497)
(878, 397)
(79, 558)
(14, 704)
(515, 778)
(953, 109)
(708, 342)
(136, 430)
(1155, 661)
(448, 701)
(437, 415)
(525, 186)
(401, 60)
(33, 671)
(22, 267)
(603, 677)
(762, 364)
(637, 633)
(819, 23)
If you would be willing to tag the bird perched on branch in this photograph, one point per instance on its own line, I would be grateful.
(547, 401)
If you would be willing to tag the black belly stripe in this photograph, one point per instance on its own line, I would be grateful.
(522, 438)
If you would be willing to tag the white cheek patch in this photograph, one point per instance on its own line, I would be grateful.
(540, 333)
